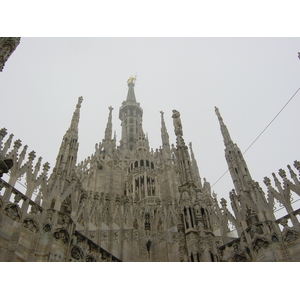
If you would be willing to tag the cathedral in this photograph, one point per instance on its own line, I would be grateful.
(128, 203)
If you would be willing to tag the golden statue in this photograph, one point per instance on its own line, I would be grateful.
(131, 80)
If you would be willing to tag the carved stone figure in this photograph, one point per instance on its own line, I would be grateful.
(47, 228)
(90, 258)
(135, 224)
(177, 122)
(131, 80)
(29, 224)
(62, 234)
(76, 253)
(12, 211)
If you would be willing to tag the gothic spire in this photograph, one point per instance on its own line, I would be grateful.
(224, 130)
(235, 160)
(67, 155)
(108, 130)
(164, 133)
(130, 114)
(250, 194)
(75, 119)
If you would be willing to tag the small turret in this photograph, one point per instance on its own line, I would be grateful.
(164, 133)
(108, 130)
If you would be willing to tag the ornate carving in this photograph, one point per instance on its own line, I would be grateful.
(65, 220)
(161, 236)
(135, 235)
(126, 235)
(34, 210)
(90, 258)
(62, 234)
(177, 122)
(49, 215)
(18, 198)
(239, 257)
(30, 225)
(290, 235)
(259, 243)
(13, 211)
(76, 253)
(104, 236)
(174, 237)
(116, 236)
(47, 228)
(135, 224)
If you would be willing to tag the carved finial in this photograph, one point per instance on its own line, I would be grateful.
(80, 99)
(297, 165)
(3, 132)
(31, 155)
(218, 113)
(282, 173)
(46, 167)
(17, 144)
(223, 203)
(267, 181)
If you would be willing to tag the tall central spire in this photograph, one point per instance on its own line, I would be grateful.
(131, 116)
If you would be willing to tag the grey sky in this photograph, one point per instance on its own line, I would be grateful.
(248, 79)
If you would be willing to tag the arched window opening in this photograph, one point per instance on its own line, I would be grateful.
(191, 215)
(187, 225)
(202, 211)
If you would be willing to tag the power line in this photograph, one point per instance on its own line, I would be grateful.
(261, 132)
(272, 120)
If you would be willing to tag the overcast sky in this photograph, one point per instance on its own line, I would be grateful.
(248, 79)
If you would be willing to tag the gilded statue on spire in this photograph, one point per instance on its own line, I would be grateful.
(131, 80)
